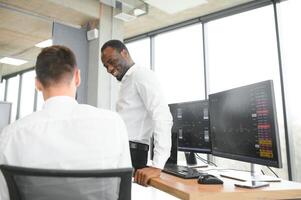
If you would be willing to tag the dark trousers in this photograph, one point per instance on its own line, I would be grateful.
(139, 154)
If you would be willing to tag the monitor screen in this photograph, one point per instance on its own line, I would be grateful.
(243, 124)
(191, 125)
(5, 112)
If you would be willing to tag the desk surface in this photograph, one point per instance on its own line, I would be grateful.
(189, 189)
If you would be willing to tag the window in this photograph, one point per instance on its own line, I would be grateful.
(27, 93)
(12, 95)
(140, 51)
(2, 89)
(290, 29)
(242, 49)
(179, 64)
(40, 101)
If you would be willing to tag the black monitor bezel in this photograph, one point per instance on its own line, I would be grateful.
(194, 150)
(265, 162)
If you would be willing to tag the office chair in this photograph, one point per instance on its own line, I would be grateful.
(48, 184)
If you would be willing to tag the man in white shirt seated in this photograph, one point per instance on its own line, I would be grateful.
(64, 134)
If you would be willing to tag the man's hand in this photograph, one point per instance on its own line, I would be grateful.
(142, 176)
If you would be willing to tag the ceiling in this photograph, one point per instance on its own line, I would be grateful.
(24, 23)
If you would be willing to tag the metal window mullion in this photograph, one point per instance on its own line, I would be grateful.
(206, 83)
(35, 100)
(288, 156)
(19, 97)
(5, 90)
(204, 35)
(152, 53)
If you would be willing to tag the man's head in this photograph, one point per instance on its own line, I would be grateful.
(116, 58)
(56, 72)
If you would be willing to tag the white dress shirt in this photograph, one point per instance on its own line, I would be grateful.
(145, 112)
(65, 135)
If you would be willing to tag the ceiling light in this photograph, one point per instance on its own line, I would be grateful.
(128, 11)
(174, 6)
(125, 17)
(12, 61)
(138, 12)
(43, 44)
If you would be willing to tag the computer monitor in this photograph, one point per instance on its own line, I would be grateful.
(5, 112)
(243, 124)
(191, 125)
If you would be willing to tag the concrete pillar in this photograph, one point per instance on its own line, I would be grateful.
(103, 87)
(93, 68)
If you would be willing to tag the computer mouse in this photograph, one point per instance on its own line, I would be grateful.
(209, 179)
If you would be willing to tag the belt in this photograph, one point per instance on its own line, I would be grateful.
(138, 146)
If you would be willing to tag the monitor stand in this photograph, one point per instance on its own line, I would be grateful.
(253, 183)
(249, 176)
(190, 159)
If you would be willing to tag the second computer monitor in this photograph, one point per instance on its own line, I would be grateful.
(244, 124)
(191, 125)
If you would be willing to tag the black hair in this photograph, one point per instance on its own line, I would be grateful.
(54, 65)
(115, 44)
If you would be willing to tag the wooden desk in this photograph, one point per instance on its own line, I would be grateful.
(191, 190)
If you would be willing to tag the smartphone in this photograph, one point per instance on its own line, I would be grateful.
(252, 184)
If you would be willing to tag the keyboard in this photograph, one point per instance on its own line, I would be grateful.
(182, 171)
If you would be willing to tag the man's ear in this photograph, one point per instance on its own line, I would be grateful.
(77, 77)
(124, 54)
(39, 85)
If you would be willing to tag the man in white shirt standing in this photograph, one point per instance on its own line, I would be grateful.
(143, 108)
(64, 134)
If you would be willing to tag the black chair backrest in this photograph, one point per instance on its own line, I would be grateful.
(33, 184)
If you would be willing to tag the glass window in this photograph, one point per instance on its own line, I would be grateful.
(12, 95)
(242, 49)
(140, 51)
(245, 52)
(290, 29)
(40, 101)
(27, 93)
(2, 89)
(179, 64)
